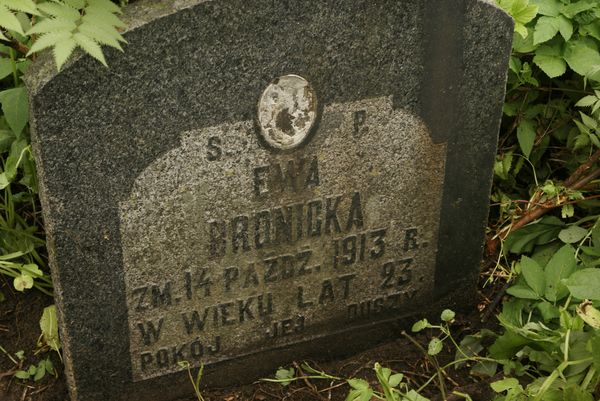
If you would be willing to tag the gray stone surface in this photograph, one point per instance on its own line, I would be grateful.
(178, 231)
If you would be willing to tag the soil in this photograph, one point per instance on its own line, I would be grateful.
(19, 330)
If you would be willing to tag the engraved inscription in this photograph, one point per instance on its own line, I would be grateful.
(230, 249)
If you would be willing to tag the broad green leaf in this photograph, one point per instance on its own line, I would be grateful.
(565, 27)
(358, 384)
(505, 384)
(560, 267)
(90, 47)
(588, 121)
(62, 51)
(40, 371)
(285, 375)
(523, 12)
(522, 291)
(592, 30)
(594, 345)
(523, 45)
(572, 234)
(545, 29)
(49, 327)
(581, 55)
(435, 346)
(547, 7)
(5, 67)
(15, 105)
(526, 136)
(585, 284)
(550, 60)
(77, 4)
(9, 20)
(395, 379)
(23, 282)
(575, 8)
(538, 233)
(47, 40)
(360, 395)
(533, 274)
(412, 395)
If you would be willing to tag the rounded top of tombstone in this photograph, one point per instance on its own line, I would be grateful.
(287, 111)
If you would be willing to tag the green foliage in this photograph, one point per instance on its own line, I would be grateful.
(63, 26)
(36, 372)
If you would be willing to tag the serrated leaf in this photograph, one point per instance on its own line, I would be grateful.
(547, 7)
(52, 25)
(49, 327)
(552, 66)
(572, 234)
(100, 35)
(588, 121)
(26, 6)
(59, 10)
(587, 101)
(545, 29)
(9, 21)
(15, 105)
(101, 17)
(526, 136)
(106, 5)
(565, 27)
(523, 44)
(62, 51)
(581, 55)
(585, 284)
(90, 47)
(523, 12)
(23, 282)
(592, 30)
(48, 40)
(76, 4)
(575, 8)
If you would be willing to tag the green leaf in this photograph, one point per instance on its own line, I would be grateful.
(105, 5)
(560, 267)
(48, 40)
(358, 384)
(547, 7)
(565, 27)
(395, 379)
(595, 351)
(435, 346)
(588, 121)
(581, 55)
(5, 67)
(23, 282)
(522, 291)
(448, 315)
(26, 6)
(533, 274)
(49, 327)
(523, 12)
(592, 30)
(589, 314)
(550, 60)
(40, 371)
(420, 325)
(52, 25)
(100, 35)
(575, 8)
(77, 4)
(505, 384)
(21, 374)
(360, 395)
(585, 284)
(545, 29)
(9, 21)
(412, 395)
(285, 375)
(90, 47)
(62, 51)
(538, 233)
(59, 10)
(572, 234)
(523, 45)
(526, 136)
(587, 101)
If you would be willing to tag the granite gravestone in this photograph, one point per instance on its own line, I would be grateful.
(252, 182)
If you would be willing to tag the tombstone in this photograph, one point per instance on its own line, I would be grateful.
(251, 183)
